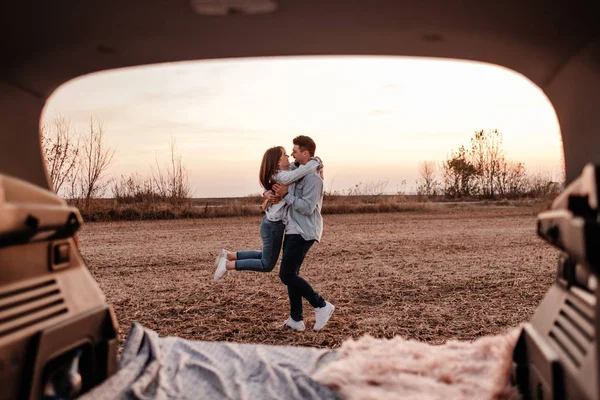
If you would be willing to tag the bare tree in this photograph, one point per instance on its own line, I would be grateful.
(61, 150)
(95, 160)
(428, 184)
(487, 157)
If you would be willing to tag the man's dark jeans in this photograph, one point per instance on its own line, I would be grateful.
(294, 251)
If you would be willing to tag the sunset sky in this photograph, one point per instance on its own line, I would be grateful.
(373, 118)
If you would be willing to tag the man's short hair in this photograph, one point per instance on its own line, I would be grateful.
(305, 144)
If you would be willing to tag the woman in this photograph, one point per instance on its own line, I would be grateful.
(275, 168)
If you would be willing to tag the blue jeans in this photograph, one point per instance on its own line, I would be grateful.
(265, 260)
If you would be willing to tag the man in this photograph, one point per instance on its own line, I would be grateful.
(304, 227)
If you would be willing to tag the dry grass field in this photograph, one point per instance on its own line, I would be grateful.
(431, 275)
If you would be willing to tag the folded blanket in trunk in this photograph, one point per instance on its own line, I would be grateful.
(174, 368)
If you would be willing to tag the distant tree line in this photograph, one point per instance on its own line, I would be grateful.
(78, 166)
(482, 171)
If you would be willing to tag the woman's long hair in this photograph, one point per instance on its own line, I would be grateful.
(269, 166)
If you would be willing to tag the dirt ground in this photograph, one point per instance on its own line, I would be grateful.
(431, 276)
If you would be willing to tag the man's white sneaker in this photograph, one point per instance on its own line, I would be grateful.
(322, 315)
(221, 268)
(222, 254)
(295, 325)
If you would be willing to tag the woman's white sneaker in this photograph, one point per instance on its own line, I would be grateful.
(322, 315)
(295, 325)
(221, 268)
(222, 254)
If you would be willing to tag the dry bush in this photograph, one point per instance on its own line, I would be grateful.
(542, 185)
(511, 180)
(172, 182)
(371, 189)
(135, 189)
(428, 185)
(169, 184)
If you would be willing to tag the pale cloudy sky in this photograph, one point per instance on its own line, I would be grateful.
(373, 118)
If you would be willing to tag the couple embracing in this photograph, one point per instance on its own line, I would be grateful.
(293, 200)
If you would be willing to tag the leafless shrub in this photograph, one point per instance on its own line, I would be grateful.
(511, 180)
(401, 189)
(428, 185)
(172, 181)
(135, 189)
(542, 185)
(373, 189)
